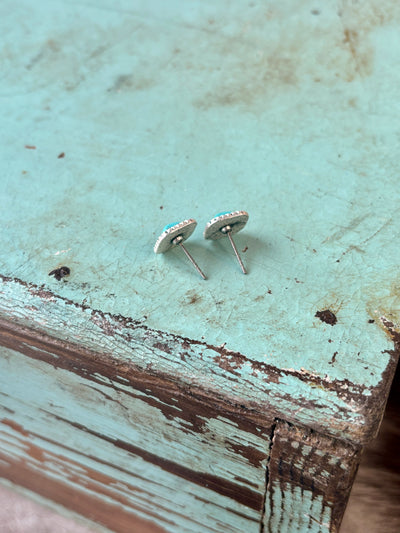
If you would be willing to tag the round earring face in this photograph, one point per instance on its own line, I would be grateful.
(235, 219)
(171, 231)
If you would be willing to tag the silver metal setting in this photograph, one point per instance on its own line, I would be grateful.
(236, 220)
(182, 229)
(175, 235)
(226, 225)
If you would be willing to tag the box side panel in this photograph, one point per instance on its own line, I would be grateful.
(184, 466)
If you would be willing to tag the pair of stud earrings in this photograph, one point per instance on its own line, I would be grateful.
(223, 224)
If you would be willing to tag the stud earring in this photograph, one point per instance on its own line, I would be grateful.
(227, 224)
(174, 235)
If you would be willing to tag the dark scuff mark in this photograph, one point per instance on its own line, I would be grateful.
(121, 81)
(350, 37)
(327, 316)
(332, 361)
(60, 272)
(193, 299)
(60, 156)
(245, 249)
(126, 82)
(35, 60)
(371, 321)
(30, 147)
(262, 296)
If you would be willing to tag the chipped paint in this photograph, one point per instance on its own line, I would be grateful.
(148, 445)
(349, 409)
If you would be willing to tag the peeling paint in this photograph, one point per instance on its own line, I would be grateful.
(130, 337)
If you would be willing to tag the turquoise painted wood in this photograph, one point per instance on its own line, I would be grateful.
(174, 503)
(118, 117)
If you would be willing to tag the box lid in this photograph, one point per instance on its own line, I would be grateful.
(118, 118)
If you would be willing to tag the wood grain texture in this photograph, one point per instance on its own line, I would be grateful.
(309, 481)
(111, 514)
(129, 428)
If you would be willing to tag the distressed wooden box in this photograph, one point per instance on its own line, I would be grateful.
(132, 391)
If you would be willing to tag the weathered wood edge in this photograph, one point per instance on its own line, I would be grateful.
(315, 472)
(214, 373)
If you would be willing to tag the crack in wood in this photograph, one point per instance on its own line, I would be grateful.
(267, 476)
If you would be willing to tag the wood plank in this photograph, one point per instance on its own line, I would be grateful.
(309, 481)
(186, 464)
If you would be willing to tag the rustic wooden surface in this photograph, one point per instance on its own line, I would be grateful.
(374, 494)
(85, 433)
(119, 117)
(80, 429)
